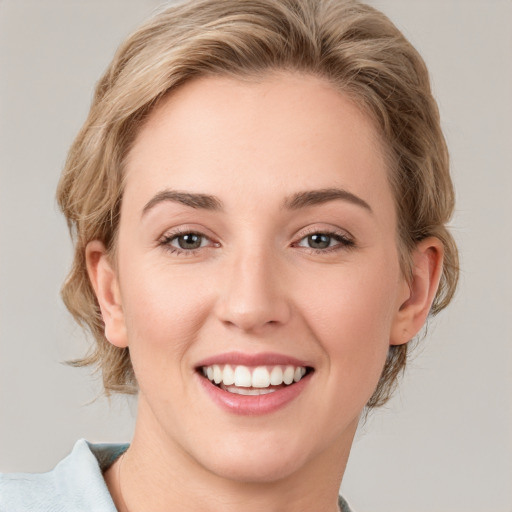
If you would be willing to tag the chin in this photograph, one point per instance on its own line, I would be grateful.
(258, 461)
(256, 471)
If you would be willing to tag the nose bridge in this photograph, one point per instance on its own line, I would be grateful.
(252, 296)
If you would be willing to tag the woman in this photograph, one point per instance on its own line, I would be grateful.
(258, 201)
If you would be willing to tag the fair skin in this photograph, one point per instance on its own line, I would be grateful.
(269, 265)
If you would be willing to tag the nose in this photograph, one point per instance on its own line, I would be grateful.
(253, 295)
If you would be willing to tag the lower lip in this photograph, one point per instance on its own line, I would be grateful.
(251, 405)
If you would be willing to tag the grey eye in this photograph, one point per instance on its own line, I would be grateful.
(319, 241)
(326, 240)
(189, 241)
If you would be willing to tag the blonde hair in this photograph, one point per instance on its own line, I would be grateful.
(352, 45)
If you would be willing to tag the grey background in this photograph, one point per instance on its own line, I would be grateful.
(444, 443)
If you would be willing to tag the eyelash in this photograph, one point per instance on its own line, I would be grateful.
(166, 240)
(344, 242)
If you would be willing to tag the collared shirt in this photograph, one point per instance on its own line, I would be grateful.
(76, 484)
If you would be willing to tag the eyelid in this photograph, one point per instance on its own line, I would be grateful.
(169, 235)
(326, 229)
(184, 229)
(346, 239)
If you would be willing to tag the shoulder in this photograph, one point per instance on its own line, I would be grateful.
(23, 492)
(75, 484)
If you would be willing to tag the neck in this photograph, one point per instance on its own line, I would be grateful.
(158, 476)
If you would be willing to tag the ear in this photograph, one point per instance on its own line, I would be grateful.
(106, 287)
(414, 307)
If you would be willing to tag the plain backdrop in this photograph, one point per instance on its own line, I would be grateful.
(444, 443)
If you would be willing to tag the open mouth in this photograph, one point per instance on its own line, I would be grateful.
(256, 380)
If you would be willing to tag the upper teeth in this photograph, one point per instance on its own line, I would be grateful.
(256, 377)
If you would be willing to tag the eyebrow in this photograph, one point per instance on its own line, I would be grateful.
(295, 202)
(316, 197)
(201, 201)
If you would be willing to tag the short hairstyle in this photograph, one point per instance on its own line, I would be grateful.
(351, 45)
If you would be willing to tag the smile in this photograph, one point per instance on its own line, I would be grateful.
(253, 384)
(246, 380)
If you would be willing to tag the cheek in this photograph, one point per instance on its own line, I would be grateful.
(164, 310)
(351, 313)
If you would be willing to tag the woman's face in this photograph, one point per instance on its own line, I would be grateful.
(257, 234)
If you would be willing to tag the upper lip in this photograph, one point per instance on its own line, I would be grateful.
(261, 359)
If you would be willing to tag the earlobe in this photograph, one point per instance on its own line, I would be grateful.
(106, 287)
(419, 292)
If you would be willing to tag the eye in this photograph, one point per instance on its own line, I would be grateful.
(324, 241)
(188, 241)
(318, 241)
(185, 242)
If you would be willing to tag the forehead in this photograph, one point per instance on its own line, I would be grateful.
(279, 134)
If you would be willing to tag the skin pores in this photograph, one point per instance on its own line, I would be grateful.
(293, 253)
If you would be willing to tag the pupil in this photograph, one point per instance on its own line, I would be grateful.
(319, 241)
(189, 241)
